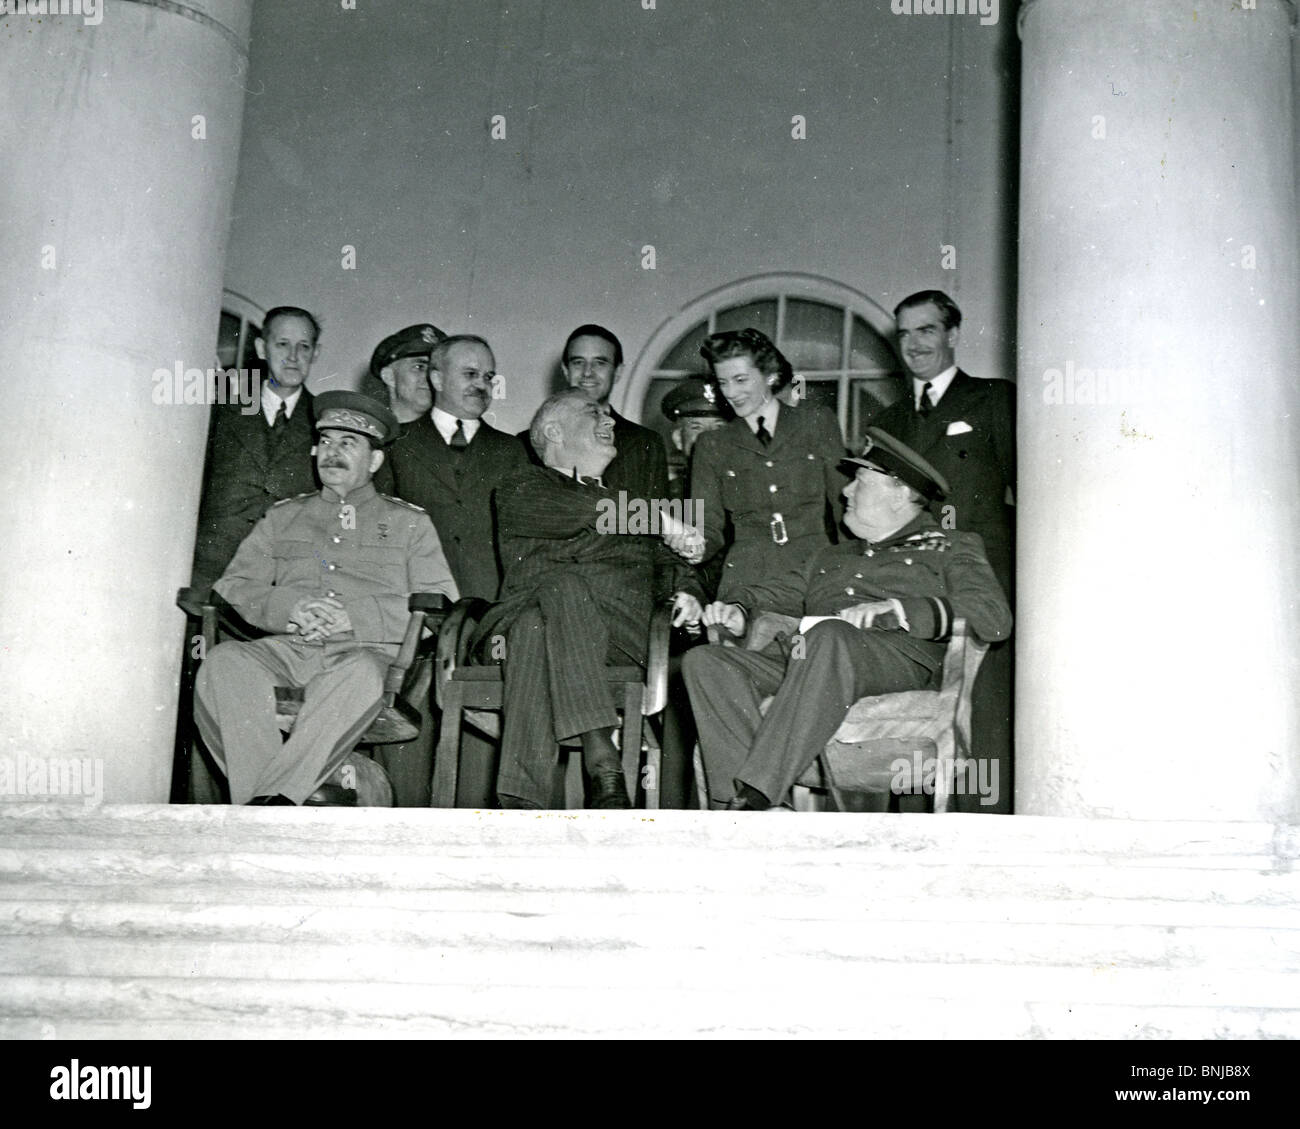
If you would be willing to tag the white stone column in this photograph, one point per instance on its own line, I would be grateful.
(1159, 505)
(119, 142)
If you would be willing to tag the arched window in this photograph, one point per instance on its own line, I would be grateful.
(837, 339)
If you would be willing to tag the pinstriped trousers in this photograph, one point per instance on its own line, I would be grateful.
(234, 708)
(555, 687)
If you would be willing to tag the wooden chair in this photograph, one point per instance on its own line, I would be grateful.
(473, 694)
(398, 719)
(929, 729)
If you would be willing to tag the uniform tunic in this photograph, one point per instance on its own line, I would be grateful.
(739, 481)
(368, 552)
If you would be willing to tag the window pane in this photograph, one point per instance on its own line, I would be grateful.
(866, 398)
(250, 359)
(759, 315)
(870, 351)
(814, 336)
(653, 418)
(823, 392)
(685, 355)
(227, 339)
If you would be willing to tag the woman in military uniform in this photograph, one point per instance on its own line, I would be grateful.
(772, 473)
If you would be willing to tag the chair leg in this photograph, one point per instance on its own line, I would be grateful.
(654, 763)
(701, 784)
(446, 760)
(633, 695)
(575, 793)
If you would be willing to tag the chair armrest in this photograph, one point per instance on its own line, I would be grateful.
(454, 637)
(423, 606)
(656, 670)
(192, 601)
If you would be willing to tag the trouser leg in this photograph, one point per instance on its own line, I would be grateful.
(234, 708)
(841, 664)
(339, 703)
(726, 687)
(528, 751)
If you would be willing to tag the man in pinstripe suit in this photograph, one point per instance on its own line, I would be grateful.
(576, 596)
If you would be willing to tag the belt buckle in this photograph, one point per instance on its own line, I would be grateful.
(778, 529)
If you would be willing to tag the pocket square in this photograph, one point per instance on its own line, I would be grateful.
(958, 427)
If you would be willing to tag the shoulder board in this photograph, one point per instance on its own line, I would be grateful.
(404, 502)
(295, 498)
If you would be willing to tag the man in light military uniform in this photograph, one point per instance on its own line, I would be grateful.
(891, 597)
(329, 574)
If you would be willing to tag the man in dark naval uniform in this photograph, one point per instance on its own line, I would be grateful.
(329, 574)
(448, 462)
(967, 429)
(256, 459)
(892, 594)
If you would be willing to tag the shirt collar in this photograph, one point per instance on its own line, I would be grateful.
(572, 472)
(767, 413)
(271, 402)
(445, 422)
(938, 386)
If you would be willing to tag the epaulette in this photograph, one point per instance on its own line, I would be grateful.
(295, 498)
(404, 502)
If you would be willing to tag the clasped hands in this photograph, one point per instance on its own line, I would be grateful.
(689, 611)
(317, 618)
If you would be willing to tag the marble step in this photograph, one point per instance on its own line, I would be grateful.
(221, 922)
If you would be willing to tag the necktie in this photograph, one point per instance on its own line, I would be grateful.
(458, 442)
(764, 436)
(926, 406)
(277, 429)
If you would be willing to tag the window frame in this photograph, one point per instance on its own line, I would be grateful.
(780, 286)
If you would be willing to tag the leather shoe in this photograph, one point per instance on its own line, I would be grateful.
(270, 802)
(331, 796)
(608, 789)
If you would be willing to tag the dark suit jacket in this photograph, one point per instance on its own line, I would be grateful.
(548, 522)
(245, 474)
(455, 489)
(640, 467)
(733, 475)
(979, 463)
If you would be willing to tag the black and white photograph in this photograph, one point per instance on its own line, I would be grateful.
(725, 519)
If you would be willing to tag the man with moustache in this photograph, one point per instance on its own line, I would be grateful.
(576, 597)
(448, 461)
(329, 575)
(966, 427)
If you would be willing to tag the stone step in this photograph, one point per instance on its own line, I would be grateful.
(723, 996)
(229, 922)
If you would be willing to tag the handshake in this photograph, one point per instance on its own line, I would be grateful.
(685, 540)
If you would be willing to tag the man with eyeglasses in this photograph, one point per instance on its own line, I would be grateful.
(593, 363)
(887, 601)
